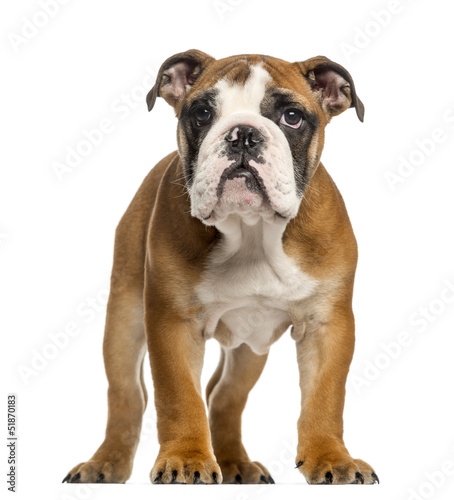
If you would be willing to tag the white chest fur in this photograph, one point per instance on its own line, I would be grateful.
(249, 284)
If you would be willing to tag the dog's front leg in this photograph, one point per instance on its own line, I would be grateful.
(176, 347)
(324, 353)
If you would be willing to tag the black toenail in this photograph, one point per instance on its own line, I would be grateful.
(66, 478)
(359, 477)
(264, 479)
(100, 478)
(271, 480)
(299, 464)
(158, 476)
(174, 476)
(196, 477)
(215, 477)
(238, 479)
(329, 477)
(75, 478)
(375, 478)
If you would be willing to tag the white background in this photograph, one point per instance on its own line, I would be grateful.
(92, 62)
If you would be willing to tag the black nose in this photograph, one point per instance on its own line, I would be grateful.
(244, 138)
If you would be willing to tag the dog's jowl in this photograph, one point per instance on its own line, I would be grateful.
(238, 236)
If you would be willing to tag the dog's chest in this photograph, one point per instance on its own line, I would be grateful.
(248, 287)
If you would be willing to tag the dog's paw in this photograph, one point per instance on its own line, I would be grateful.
(245, 472)
(334, 466)
(111, 469)
(189, 467)
(343, 471)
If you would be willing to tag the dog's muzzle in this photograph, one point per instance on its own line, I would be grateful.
(244, 143)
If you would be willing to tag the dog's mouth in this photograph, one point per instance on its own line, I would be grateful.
(252, 179)
(241, 184)
(249, 177)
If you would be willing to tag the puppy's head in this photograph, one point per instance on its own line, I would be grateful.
(251, 129)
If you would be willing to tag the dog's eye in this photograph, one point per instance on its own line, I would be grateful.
(202, 115)
(292, 118)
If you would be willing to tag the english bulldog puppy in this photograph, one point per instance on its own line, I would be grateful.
(239, 235)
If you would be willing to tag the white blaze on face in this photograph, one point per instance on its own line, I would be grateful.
(243, 98)
(240, 105)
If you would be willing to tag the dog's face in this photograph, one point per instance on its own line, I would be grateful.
(251, 129)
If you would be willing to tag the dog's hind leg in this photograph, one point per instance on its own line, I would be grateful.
(215, 377)
(124, 350)
(241, 368)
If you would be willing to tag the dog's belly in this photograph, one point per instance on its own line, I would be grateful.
(248, 288)
(255, 325)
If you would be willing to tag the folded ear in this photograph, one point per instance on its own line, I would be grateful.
(332, 85)
(177, 75)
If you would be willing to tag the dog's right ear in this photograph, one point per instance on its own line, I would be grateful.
(177, 75)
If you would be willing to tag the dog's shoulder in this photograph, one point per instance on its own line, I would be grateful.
(131, 232)
(321, 237)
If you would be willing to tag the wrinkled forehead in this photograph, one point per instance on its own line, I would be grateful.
(246, 82)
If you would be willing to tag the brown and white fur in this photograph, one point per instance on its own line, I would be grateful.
(239, 235)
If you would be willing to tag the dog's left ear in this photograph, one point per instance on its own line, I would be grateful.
(176, 75)
(332, 85)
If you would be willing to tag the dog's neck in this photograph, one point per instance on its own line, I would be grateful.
(255, 235)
